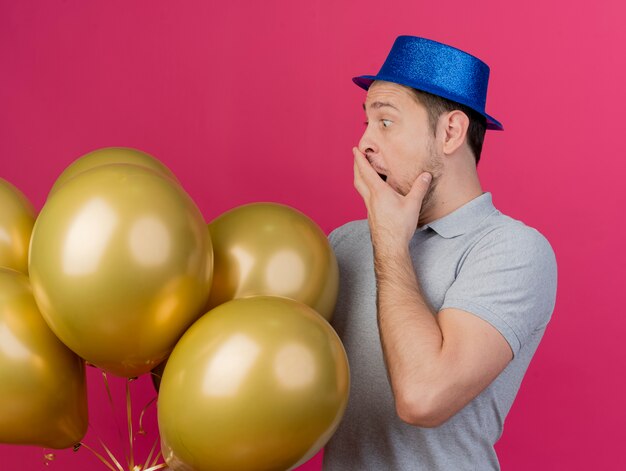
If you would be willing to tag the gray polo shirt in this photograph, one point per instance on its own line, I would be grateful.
(475, 259)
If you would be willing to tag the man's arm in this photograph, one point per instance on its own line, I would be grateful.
(436, 363)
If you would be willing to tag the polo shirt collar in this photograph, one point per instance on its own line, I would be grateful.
(464, 218)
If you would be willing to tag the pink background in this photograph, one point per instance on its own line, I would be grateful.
(252, 101)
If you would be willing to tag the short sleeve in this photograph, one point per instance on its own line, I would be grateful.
(508, 279)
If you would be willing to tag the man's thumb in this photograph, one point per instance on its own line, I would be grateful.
(420, 186)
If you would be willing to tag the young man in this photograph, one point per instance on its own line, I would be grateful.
(443, 299)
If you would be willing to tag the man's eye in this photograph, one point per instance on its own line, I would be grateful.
(386, 123)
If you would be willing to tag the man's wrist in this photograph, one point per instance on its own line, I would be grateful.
(390, 249)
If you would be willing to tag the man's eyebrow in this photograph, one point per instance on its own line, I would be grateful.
(380, 104)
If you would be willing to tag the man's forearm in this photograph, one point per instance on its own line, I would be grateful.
(410, 335)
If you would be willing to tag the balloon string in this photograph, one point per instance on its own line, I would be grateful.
(154, 468)
(152, 373)
(156, 458)
(93, 430)
(105, 378)
(113, 459)
(147, 463)
(129, 415)
(141, 431)
(130, 459)
(100, 457)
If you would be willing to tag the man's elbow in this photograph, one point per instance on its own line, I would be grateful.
(421, 412)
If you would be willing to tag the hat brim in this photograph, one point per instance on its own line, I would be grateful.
(365, 81)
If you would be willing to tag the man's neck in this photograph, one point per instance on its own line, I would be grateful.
(451, 193)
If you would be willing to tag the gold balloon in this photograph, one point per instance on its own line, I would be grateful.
(17, 217)
(43, 396)
(111, 155)
(121, 265)
(256, 384)
(272, 249)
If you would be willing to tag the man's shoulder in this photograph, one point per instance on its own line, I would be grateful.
(352, 232)
(506, 236)
(503, 227)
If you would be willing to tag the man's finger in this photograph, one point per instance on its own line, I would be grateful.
(359, 184)
(367, 172)
(420, 187)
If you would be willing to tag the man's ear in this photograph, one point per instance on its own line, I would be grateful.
(454, 127)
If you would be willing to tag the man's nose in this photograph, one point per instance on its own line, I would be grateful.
(367, 143)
